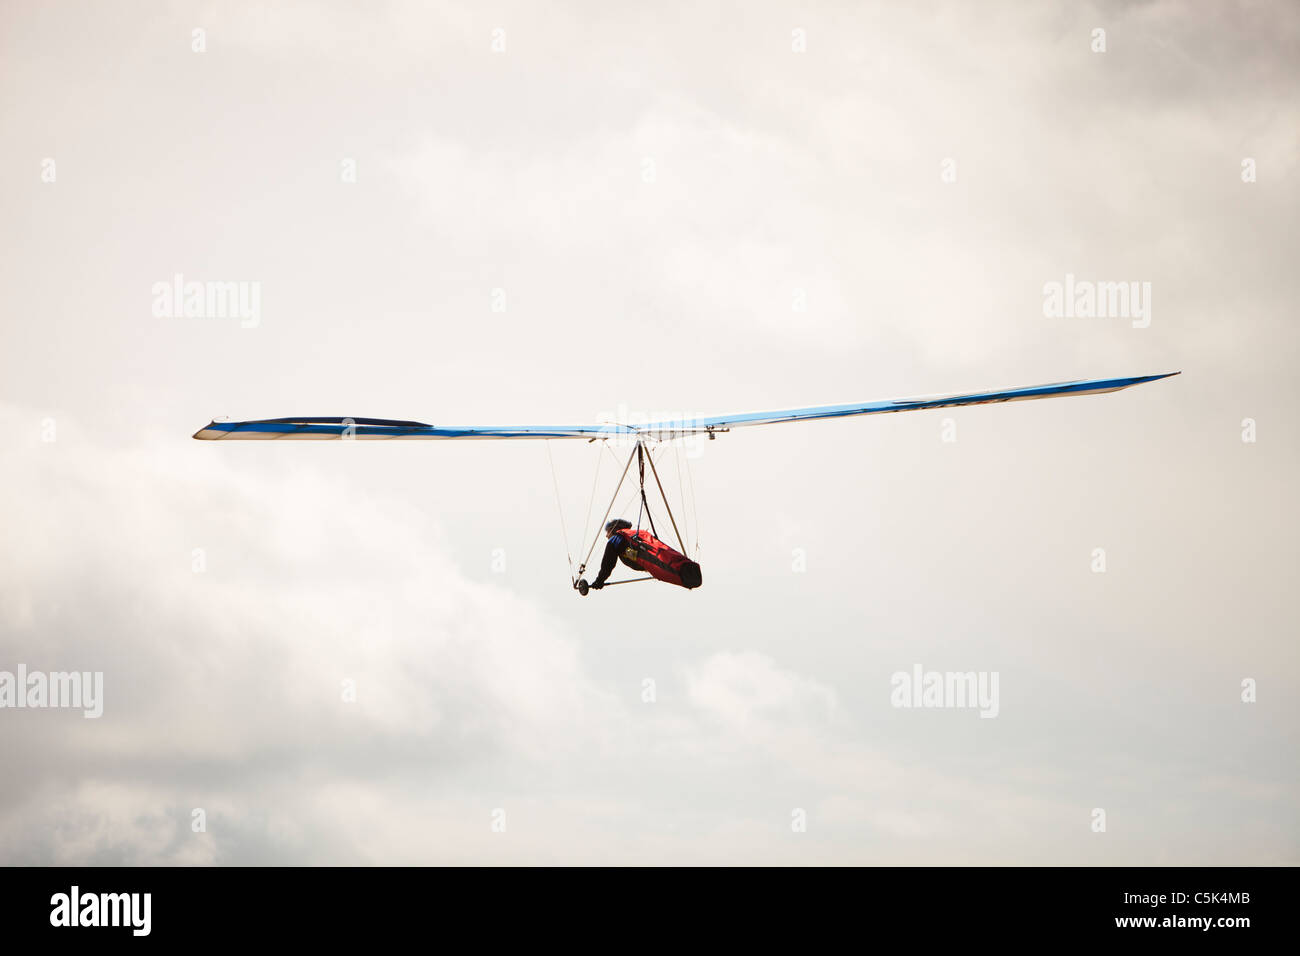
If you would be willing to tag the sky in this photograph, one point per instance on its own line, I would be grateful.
(504, 213)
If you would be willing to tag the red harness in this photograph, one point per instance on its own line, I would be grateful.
(642, 551)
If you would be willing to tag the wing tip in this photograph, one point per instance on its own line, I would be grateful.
(1155, 378)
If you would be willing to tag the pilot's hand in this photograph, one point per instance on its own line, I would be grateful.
(597, 586)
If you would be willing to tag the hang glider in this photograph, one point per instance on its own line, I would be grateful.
(325, 429)
(636, 548)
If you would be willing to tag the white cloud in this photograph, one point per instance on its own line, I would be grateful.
(749, 688)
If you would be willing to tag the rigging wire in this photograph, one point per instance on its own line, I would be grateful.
(627, 502)
(681, 485)
(641, 456)
(694, 516)
(555, 482)
(655, 471)
(592, 500)
(596, 536)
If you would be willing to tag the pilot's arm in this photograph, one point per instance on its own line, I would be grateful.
(612, 551)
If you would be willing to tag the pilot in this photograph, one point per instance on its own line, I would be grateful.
(613, 550)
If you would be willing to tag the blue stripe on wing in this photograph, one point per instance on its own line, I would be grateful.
(326, 428)
(1091, 386)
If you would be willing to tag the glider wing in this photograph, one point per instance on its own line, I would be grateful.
(315, 428)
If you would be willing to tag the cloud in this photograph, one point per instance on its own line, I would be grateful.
(749, 688)
(236, 672)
